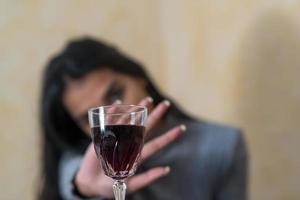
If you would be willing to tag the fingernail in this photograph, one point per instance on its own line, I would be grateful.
(118, 101)
(183, 127)
(150, 99)
(167, 103)
(167, 169)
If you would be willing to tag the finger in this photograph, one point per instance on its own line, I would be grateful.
(109, 118)
(116, 102)
(90, 162)
(156, 114)
(147, 102)
(158, 143)
(139, 181)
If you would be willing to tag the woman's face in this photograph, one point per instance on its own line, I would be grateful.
(97, 88)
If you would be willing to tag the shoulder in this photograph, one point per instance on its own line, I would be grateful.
(68, 165)
(216, 133)
(217, 143)
(70, 156)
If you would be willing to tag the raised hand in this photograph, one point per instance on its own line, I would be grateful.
(91, 180)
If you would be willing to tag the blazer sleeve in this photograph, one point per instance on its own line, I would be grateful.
(68, 166)
(233, 184)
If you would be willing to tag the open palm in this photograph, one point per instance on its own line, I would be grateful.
(91, 180)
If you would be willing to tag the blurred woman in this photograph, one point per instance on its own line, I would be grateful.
(208, 161)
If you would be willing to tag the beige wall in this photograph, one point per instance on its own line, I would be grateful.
(231, 61)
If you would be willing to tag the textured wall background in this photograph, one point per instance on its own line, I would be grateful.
(231, 61)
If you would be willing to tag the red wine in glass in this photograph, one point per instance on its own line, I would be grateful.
(118, 137)
(118, 147)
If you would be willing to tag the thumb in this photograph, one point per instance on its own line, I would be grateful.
(90, 161)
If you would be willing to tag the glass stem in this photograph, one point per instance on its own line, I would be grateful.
(119, 189)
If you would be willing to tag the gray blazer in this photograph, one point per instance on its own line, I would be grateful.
(209, 162)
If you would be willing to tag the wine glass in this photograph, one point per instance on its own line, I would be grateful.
(118, 137)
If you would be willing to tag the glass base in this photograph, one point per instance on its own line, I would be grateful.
(119, 189)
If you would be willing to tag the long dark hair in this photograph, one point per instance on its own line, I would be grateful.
(60, 132)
